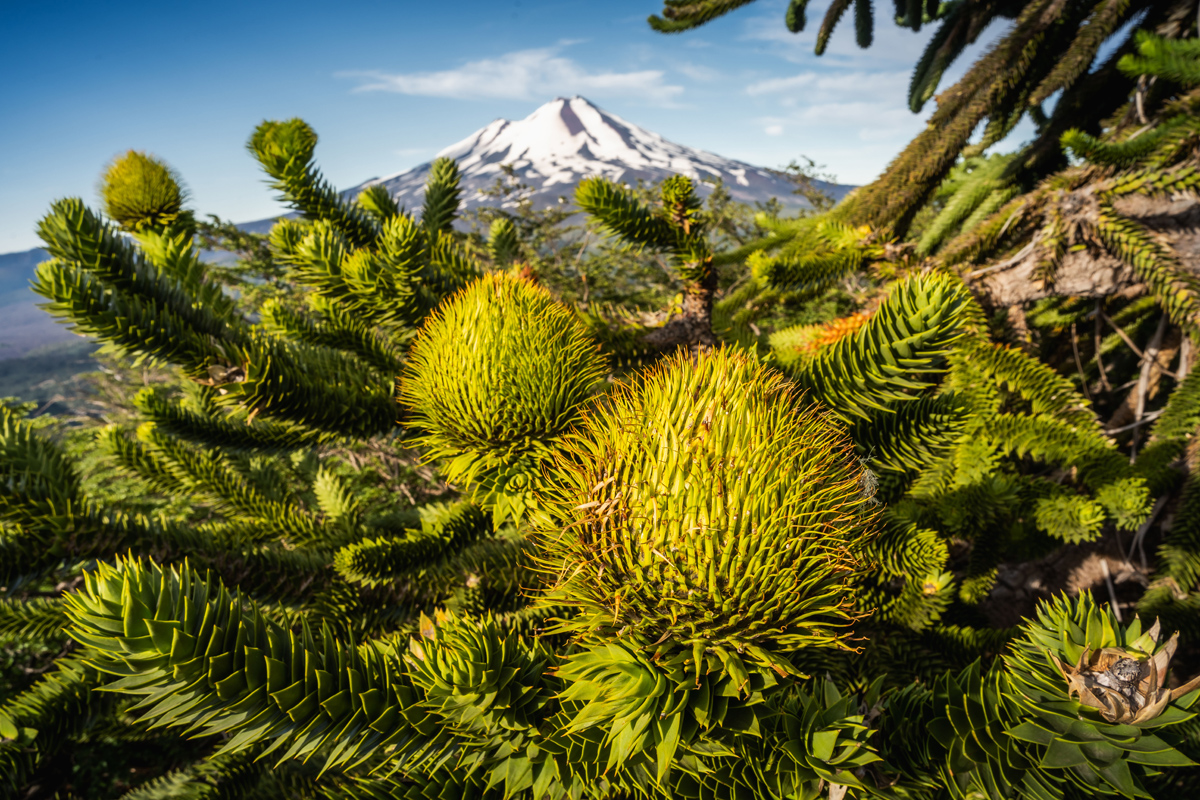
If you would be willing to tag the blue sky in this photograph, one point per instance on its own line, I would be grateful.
(387, 84)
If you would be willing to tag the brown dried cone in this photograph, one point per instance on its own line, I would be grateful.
(1104, 723)
(1124, 688)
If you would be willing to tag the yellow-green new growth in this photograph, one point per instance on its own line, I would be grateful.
(141, 192)
(495, 377)
(706, 508)
(499, 368)
(475, 675)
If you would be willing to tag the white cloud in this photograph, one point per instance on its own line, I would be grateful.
(777, 85)
(697, 72)
(836, 105)
(883, 87)
(871, 121)
(521, 75)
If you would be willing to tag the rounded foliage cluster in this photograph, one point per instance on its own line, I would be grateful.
(706, 507)
(276, 142)
(141, 192)
(501, 367)
(475, 674)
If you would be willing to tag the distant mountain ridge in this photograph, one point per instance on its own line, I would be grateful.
(552, 150)
(24, 326)
(569, 139)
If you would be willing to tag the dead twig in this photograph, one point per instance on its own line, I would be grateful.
(1112, 592)
(1149, 359)
(1153, 415)
(1099, 338)
(1008, 262)
(1124, 336)
(1079, 363)
(1138, 537)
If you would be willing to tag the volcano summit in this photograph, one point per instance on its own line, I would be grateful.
(567, 140)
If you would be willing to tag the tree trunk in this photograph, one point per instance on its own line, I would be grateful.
(692, 327)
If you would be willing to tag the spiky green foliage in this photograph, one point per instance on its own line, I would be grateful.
(40, 487)
(462, 684)
(814, 254)
(795, 18)
(676, 227)
(1030, 726)
(903, 347)
(1174, 60)
(1074, 727)
(34, 723)
(338, 331)
(688, 14)
(1072, 518)
(38, 618)
(460, 380)
(484, 399)
(222, 778)
(445, 531)
(157, 301)
(1047, 50)
(971, 192)
(669, 535)
(913, 435)
(1178, 290)
(285, 150)
(1145, 148)
(477, 677)
(105, 287)
(141, 193)
(719, 577)
(1023, 729)
(441, 196)
(377, 202)
(255, 665)
(503, 242)
(199, 419)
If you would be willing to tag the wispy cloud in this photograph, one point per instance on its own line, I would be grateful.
(867, 106)
(870, 122)
(697, 72)
(886, 87)
(777, 85)
(521, 75)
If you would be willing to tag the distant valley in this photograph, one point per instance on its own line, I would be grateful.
(23, 326)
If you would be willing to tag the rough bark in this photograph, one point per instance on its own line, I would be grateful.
(1092, 272)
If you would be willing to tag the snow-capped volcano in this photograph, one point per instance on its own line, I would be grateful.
(567, 140)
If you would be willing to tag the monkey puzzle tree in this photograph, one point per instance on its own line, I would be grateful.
(682, 562)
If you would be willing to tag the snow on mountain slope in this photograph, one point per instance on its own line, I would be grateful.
(567, 140)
